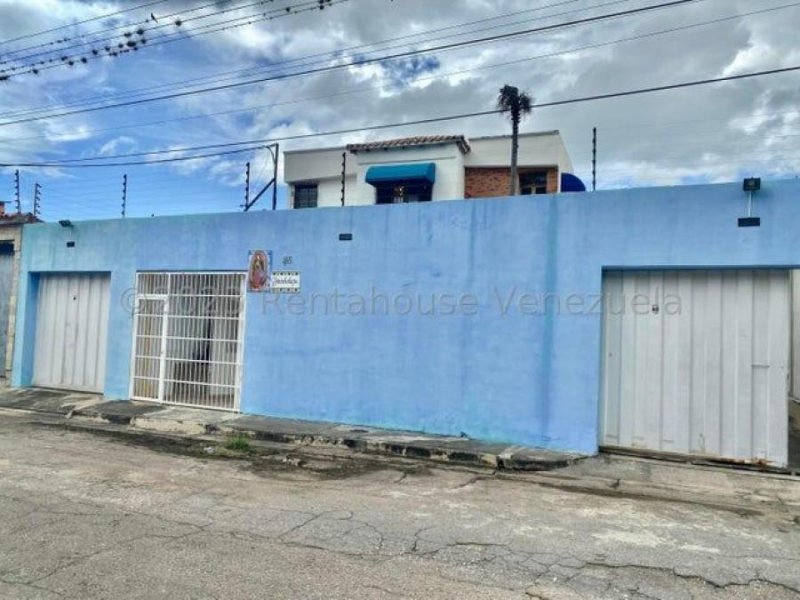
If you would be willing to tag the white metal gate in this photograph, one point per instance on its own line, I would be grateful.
(697, 362)
(188, 333)
(71, 331)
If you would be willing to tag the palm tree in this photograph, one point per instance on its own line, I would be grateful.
(516, 105)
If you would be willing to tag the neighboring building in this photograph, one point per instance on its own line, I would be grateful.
(10, 244)
(423, 168)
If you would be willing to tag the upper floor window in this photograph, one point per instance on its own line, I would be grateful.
(305, 195)
(533, 182)
(401, 192)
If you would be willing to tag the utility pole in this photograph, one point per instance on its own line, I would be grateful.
(594, 159)
(16, 187)
(247, 185)
(124, 194)
(37, 198)
(344, 172)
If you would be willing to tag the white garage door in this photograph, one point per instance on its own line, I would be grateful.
(71, 331)
(697, 362)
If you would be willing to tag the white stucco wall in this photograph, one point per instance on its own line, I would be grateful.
(329, 192)
(535, 150)
(310, 165)
(324, 166)
(448, 159)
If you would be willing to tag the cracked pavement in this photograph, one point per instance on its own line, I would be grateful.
(89, 516)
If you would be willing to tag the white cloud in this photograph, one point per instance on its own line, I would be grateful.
(643, 140)
(117, 145)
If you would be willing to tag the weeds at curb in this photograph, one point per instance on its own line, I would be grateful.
(238, 443)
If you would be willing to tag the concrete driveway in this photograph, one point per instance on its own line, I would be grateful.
(90, 516)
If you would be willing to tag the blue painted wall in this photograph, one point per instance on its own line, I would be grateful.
(489, 370)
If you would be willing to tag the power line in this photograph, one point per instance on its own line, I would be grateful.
(114, 46)
(147, 162)
(83, 22)
(162, 18)
(703, 138)
(366, 61)
(304, 60)
(439, 75)
(82, 162)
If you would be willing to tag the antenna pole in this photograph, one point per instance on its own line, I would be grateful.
(594, 159)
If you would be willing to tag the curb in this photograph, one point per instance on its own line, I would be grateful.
(367, 440)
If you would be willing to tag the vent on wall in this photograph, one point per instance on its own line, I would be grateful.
(750, 222)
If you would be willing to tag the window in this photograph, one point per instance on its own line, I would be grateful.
(305, 195)
(399, 192)
(533, 182)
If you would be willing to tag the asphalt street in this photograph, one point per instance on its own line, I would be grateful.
(91, 516)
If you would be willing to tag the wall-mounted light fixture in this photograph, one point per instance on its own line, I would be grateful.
(750, 185)
(65, 223)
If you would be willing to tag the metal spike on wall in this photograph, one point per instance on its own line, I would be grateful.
(37, 199)
(246, 186)
(16, 188)
(124, 194)
(594, 159)
(344, 174)
(274, 151)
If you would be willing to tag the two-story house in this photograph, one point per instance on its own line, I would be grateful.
(424, 168)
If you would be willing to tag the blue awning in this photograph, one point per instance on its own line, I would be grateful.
(407, 172)
(571, 183)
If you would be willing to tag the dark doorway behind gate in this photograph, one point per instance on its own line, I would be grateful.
(188, 339)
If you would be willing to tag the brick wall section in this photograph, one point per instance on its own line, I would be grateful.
(486, 182)
(490, 182)
(552, 181)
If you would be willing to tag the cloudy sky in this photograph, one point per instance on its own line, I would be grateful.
(714, 133)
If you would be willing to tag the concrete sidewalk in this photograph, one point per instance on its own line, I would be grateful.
(201, 432)
(194, 421)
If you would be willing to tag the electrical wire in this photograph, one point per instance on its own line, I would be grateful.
(83, 162)
(150, 162)
(435, 77)
(115, 46)
(304, 60)
(366, 61)
(116, 28)
(83, 22)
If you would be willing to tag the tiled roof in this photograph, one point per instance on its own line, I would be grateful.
(18, 219)
(420, 140)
